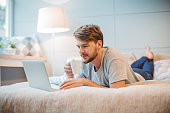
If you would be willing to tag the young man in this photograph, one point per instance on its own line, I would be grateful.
(102, 67)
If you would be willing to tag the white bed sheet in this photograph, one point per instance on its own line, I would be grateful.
(153, 98)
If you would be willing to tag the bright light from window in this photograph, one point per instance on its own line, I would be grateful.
(3, 3)
(2, 18)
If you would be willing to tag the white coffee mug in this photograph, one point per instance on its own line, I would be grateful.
(75, 65)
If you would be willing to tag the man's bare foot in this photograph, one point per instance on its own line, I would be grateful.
(148, 53)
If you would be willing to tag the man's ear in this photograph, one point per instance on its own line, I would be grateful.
(99, 42)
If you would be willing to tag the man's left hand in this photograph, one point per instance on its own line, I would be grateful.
(74, 82)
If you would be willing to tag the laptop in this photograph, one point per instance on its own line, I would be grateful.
(37, 75)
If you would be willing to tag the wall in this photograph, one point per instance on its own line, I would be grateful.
(127, 25)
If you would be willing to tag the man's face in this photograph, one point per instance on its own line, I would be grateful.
(88, 50)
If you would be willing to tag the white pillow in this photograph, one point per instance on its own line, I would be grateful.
(58, 80)
(130, 57)
(162, 70)
(28, 46)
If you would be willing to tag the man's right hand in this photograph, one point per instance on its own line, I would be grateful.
(68, 70)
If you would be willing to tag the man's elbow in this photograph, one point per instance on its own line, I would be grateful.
(118, 84)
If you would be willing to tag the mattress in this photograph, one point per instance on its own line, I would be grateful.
(144, 97)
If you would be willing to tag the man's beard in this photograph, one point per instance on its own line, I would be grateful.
(93, 57)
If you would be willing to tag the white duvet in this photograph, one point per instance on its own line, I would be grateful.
(153, 98)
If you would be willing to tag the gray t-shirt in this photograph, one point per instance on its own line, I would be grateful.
(114, 67)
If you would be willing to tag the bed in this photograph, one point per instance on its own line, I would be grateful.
(151, 98)
(142, 97)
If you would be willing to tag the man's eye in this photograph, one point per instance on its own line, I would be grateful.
(85, 46)
(78, 46)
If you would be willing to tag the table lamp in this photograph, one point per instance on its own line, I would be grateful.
(52, 20)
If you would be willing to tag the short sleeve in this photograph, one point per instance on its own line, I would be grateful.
(117, 71)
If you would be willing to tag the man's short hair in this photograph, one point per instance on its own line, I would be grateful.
(89, 33)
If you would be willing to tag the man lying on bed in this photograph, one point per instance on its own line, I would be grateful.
(105, 67)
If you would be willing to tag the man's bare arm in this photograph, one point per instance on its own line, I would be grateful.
(118, 84)
(77, 82)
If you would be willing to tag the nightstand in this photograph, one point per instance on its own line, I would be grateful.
(11, 67)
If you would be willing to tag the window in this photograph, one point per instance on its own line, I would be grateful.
(6, 18)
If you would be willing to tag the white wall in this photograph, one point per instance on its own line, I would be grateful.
(127, 25)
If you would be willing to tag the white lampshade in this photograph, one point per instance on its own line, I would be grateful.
(52, 20)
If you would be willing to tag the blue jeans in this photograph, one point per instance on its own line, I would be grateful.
(144, 67)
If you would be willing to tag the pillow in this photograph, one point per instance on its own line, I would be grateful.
(58, 80)
(130, 57)
(28, 46)
(161, 56)
(162, 70)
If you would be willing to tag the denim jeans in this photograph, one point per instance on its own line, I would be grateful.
(144, 67)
